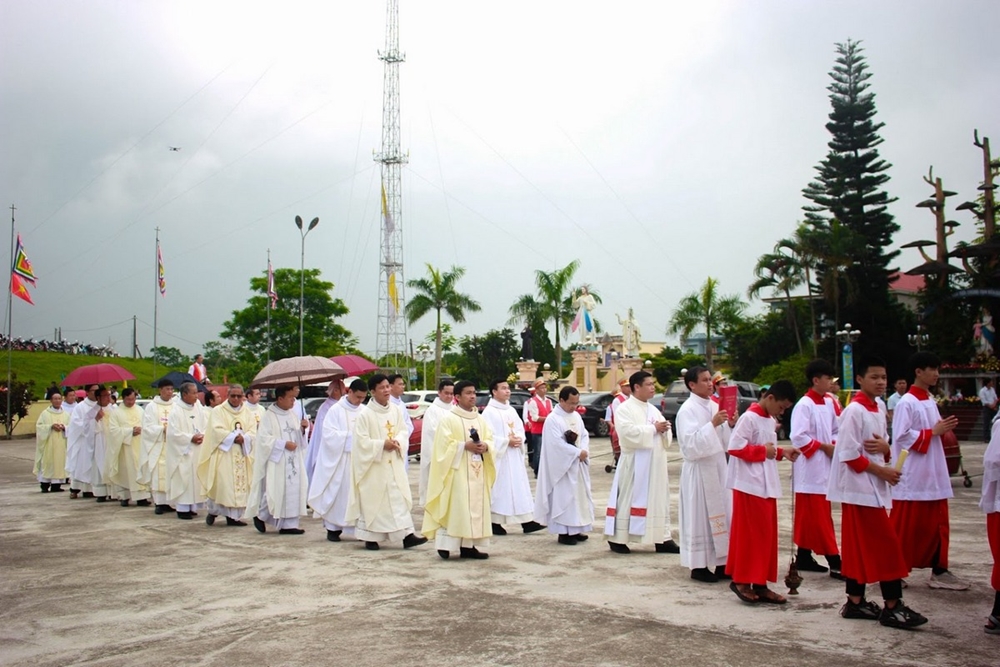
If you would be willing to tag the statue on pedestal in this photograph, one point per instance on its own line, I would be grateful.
(631, 336)
(584, 320)
(984, 334)
(527, 353)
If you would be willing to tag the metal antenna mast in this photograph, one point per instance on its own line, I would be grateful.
(391, 341)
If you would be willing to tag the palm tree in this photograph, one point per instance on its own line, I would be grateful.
(553, 300)
(832, 247)
(799, 247)
(706, 308)
(781, 274)
(437, 292)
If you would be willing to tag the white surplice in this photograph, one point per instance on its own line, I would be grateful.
(705, 504)
(562, 495)
(153, 458)
(432, 417)
(85, 449)
(639, 504)
(184, 487)
(330, 486)
(279, 488)
(511, 500)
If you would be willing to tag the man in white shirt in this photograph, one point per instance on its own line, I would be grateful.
(988, 397)
(901, 387)
(197, 370)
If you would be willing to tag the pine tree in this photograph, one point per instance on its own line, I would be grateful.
(848, 193)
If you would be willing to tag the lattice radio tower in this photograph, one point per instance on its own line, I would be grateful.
(391, 340)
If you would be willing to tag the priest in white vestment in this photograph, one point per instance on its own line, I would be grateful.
(279, 486)
(563, 500)
(334, 392)
(225, 459)
(397, 387)
(186, 428)
(253, 403)
(705, 504)
(441, 406)
(153, 458)
(457, 514)
(511, 500)
(124, 447)
(639, 505)
(50, 445)
(380, 500)
(85, 445)
(330, 486)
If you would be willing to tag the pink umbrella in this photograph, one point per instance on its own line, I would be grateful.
(354, 364)
(97, 374)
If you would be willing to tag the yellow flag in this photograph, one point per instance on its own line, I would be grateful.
(393, 296)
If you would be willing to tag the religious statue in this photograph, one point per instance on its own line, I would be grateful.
(984, 334)
(584, 320)
(527, 353)
(630, 334)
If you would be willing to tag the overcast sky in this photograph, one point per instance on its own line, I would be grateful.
(656, 142)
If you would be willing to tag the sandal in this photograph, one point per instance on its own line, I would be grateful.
(747, 596)
(992, 626)
(771, 597)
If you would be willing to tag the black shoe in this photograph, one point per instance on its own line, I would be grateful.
(445, 554)
(186, 516)
(866, 610)
(291, 531)
(102, 499)
(531, 527)
(567, 539)
(498, 529)
(720, 573)
(56, 488)
(704, 574)
(123, 503)
(619, 548)
(333, 535)
(413, 540)
(833, 561)
(87, 494)
(805, 562)
(668, 547)
(45, 487)
(210, 519)
(232, 522)
(143, 503)
(371, 546)
(158, 509)
(473, 552)
(901, 617)
(259, 525)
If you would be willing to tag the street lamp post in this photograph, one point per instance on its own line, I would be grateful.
(847, 337)
(919, 339)
(302, 276)
(424, 351)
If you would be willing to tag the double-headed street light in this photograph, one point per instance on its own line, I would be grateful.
(847, 337)
(919, 339)
(302, 275)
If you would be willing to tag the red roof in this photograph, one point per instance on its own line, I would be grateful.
(904, 283)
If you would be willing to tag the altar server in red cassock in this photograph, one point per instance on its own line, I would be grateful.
(860, 480)
(920, 500)
(753, 477)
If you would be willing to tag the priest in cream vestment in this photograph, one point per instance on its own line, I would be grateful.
(50, 445)
(457, 514)
(186, 428)
(279, 485)
(124, 448)
(380, 499)
(225, 462)
(639, 505)
(153, 458)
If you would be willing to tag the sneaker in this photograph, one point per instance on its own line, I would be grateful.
(866, 610)
(947, 581)
(901, 617)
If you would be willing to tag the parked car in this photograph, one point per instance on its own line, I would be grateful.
(594, 407)
(417, 402)
(677, 393)
(517, 399)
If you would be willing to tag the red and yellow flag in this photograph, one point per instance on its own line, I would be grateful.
(19, 289)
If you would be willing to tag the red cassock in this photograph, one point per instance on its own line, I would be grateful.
(923, 530)
(753, 539)
(814, 524)
(870, 550)
(993, 532)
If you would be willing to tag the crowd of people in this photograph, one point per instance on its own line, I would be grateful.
(239, 461)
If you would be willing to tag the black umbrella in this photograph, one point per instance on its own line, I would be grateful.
(179, 378)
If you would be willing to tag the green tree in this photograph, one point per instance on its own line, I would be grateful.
(709, 309)
(670, 361)
(487, 357)
(552, 300)
(779, 272)
(449, 341)
(755, 342)
(848, 189)
(22, 394)
(437, 292)
(169, 356)
(322, 335)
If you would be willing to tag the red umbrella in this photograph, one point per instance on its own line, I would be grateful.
(97, 374)
(354, 365)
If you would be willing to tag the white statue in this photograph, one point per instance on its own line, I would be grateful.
(984, 333)
(630, 334)
(584, 320)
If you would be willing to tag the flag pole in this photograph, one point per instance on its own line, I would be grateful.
(10, 314)
(267, 297)
(156, 295)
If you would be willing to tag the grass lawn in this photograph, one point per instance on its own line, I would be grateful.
(44, 367)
